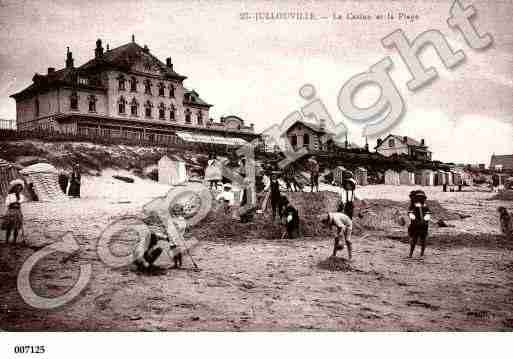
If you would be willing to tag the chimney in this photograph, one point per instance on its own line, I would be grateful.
(69, 59)
(252, 126)
(51, 70)
(322, 125)
(169, 63)
(98, 52)
(146, 49)
(133, 38)
(422, 143)
(107, 48)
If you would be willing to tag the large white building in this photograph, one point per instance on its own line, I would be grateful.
(123, 92)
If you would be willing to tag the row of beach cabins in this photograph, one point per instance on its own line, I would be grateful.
(422, 177)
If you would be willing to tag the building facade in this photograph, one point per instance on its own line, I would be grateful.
(403, 145)
(123, 92)
(501, 163)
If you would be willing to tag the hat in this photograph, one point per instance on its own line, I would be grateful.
(16, 182)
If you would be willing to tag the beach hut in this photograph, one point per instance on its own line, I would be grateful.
(406, 178)
(418, 178)
(340, 173)
(428, 178)
(440, 178)
(8, 172)
(448, 178)
(171, 172)
(392, 177)
(361, 176)
(45, 180)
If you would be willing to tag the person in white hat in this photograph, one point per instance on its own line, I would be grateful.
(13, 219)
(227, 197)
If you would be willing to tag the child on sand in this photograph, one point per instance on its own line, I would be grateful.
(227, 198)
(419, 214)
(13, 219)
(344, 226)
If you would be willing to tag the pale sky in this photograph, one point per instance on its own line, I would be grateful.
(254, 69)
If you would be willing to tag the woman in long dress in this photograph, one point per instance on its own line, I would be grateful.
(213, 171)
(13, 219)
(74, 182)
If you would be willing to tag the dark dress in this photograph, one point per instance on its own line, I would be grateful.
(293, 223)
(419, 227)
(74, 186)
(275, 196)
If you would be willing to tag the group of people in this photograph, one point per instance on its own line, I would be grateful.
(71, 184)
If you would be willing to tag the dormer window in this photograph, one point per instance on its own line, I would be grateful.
(188, 116)
(133, 84)
(36, 107)
(134, 107)
(172, 91)
(200, 118)
(121, 83)
(162, 111)
(92, 103)
(73, 101)
(147, 87)
(172, 113)
(121, 105)
(148, 109)
(391, 143)
(161, 89)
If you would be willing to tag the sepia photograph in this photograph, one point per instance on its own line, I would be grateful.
(241, 166)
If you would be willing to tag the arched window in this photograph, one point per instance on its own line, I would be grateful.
(187, 116)
(200, 118)
(73, 101)
(161, 89)
(172, 91)
(306, 139)
(162, 111)
(92, 103)
(121, 82)
(147, 87)
(147, 109)
(122, 105)
(391, 143)
(133, 84)
(36, 107)
(134, 107)
(172, 113)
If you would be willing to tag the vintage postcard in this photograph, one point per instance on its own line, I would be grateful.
(255, 166)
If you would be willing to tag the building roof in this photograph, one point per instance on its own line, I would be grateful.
(313, 126)
(505, 160)
(409, 141)
(197, 100)
(125, 56)
(122, 58)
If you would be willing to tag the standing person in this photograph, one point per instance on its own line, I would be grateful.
(291, 215)
(13, 219)
(344, 226)
(506, 222)
(213, 171)
(314, 173)
(419, 214)
(275, 195)
(74, 182)
(227, 198)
